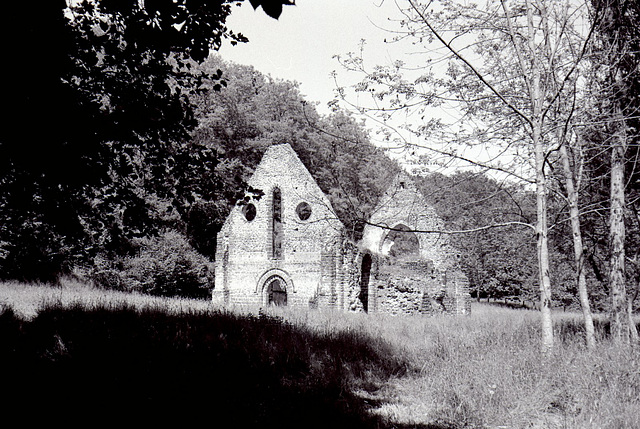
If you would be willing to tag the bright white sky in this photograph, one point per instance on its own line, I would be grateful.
(301, 44)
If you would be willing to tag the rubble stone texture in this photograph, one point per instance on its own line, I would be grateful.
(289, 248)
(416, 265)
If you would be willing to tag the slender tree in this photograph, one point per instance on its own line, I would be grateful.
(618, 46)
(572, 184)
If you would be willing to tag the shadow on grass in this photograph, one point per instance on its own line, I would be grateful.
(123, 365)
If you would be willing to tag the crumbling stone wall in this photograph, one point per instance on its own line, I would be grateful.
(414, 287)
(352, 265)
(416, 266)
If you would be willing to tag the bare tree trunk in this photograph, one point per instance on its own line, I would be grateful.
(619, 317)
(578, 250)
(633, 330)
(542, 245)
(537, 97)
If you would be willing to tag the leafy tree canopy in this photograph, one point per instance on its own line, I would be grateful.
(97, 108)
(253, 111)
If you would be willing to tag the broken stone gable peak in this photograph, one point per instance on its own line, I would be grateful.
(416, 266)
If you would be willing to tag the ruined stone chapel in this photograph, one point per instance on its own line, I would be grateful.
(289, 248)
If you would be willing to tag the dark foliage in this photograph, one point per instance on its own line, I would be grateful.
(109, 366)
(91, 110)
(97, 113)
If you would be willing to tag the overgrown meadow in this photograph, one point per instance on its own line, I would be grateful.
(73, 353)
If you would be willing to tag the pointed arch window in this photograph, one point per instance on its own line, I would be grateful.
(402, 243)
(276, 224)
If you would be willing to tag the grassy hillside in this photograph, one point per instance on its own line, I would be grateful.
(76, 353)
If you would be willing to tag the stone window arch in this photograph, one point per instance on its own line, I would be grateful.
(400, 242)
(275, 285)
(276, 224)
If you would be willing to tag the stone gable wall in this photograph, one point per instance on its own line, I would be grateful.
(245, 252)
(426, 283)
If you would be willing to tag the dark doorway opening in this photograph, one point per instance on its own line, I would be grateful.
(365, 275)
(276, 291)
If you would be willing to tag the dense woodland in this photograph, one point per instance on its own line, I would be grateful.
(126, 142)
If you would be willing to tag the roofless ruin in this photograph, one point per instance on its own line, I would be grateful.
(289, 248)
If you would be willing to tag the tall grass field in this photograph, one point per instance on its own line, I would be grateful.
(76, 354)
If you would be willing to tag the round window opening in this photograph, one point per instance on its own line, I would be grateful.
(249, 212)
(303, 211)
(402, 243)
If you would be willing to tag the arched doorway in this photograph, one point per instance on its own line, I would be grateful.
(276, 291)
(365, 276)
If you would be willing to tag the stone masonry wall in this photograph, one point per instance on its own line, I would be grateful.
(307, 256)
(416, 288)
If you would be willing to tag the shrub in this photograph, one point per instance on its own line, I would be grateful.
(166, 265)
(105, 273)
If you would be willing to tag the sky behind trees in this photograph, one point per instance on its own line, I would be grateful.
(301, 44)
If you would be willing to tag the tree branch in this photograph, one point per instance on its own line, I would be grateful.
(479, 75)
(461, 231)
